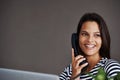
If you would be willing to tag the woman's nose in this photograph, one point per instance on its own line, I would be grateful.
(90, 38)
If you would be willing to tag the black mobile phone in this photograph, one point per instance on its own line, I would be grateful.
(75, 44)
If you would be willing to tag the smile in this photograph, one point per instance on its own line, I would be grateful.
(89, 46)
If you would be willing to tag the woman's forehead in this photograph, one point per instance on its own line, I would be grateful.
(90, 26)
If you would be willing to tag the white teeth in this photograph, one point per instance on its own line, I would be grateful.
(89, 45)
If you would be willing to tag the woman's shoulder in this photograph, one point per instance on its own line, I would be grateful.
(111, 62)
(65, 75)
(112, 67)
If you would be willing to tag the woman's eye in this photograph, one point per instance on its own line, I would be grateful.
(97, 35)
(84, 34)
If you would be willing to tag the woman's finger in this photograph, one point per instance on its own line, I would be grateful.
(78, 57)
(79, 61)
(83, 65)
(73, 57)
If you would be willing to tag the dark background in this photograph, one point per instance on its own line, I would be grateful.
(35, 35)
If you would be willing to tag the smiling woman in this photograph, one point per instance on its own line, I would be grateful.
(94, 46)
(90, 39)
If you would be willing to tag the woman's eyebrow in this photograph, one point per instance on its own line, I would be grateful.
(83, 31)
(93, 32)
(97, 32)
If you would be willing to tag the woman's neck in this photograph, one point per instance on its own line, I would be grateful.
(92, 61)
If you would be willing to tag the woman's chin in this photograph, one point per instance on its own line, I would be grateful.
(89, 53)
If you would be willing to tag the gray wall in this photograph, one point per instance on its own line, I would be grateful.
(35, 35)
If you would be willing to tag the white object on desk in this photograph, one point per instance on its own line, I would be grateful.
(11, 74)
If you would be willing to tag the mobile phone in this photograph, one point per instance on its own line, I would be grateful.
(75, 44)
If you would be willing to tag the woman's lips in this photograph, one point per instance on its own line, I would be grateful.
(89, 46)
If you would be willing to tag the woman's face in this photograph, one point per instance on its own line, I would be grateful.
(90, 38)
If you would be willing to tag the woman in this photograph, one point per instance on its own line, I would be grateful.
(94, 46)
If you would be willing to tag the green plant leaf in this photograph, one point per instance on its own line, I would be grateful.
(101, 75)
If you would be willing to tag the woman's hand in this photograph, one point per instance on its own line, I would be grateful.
(76, 68)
